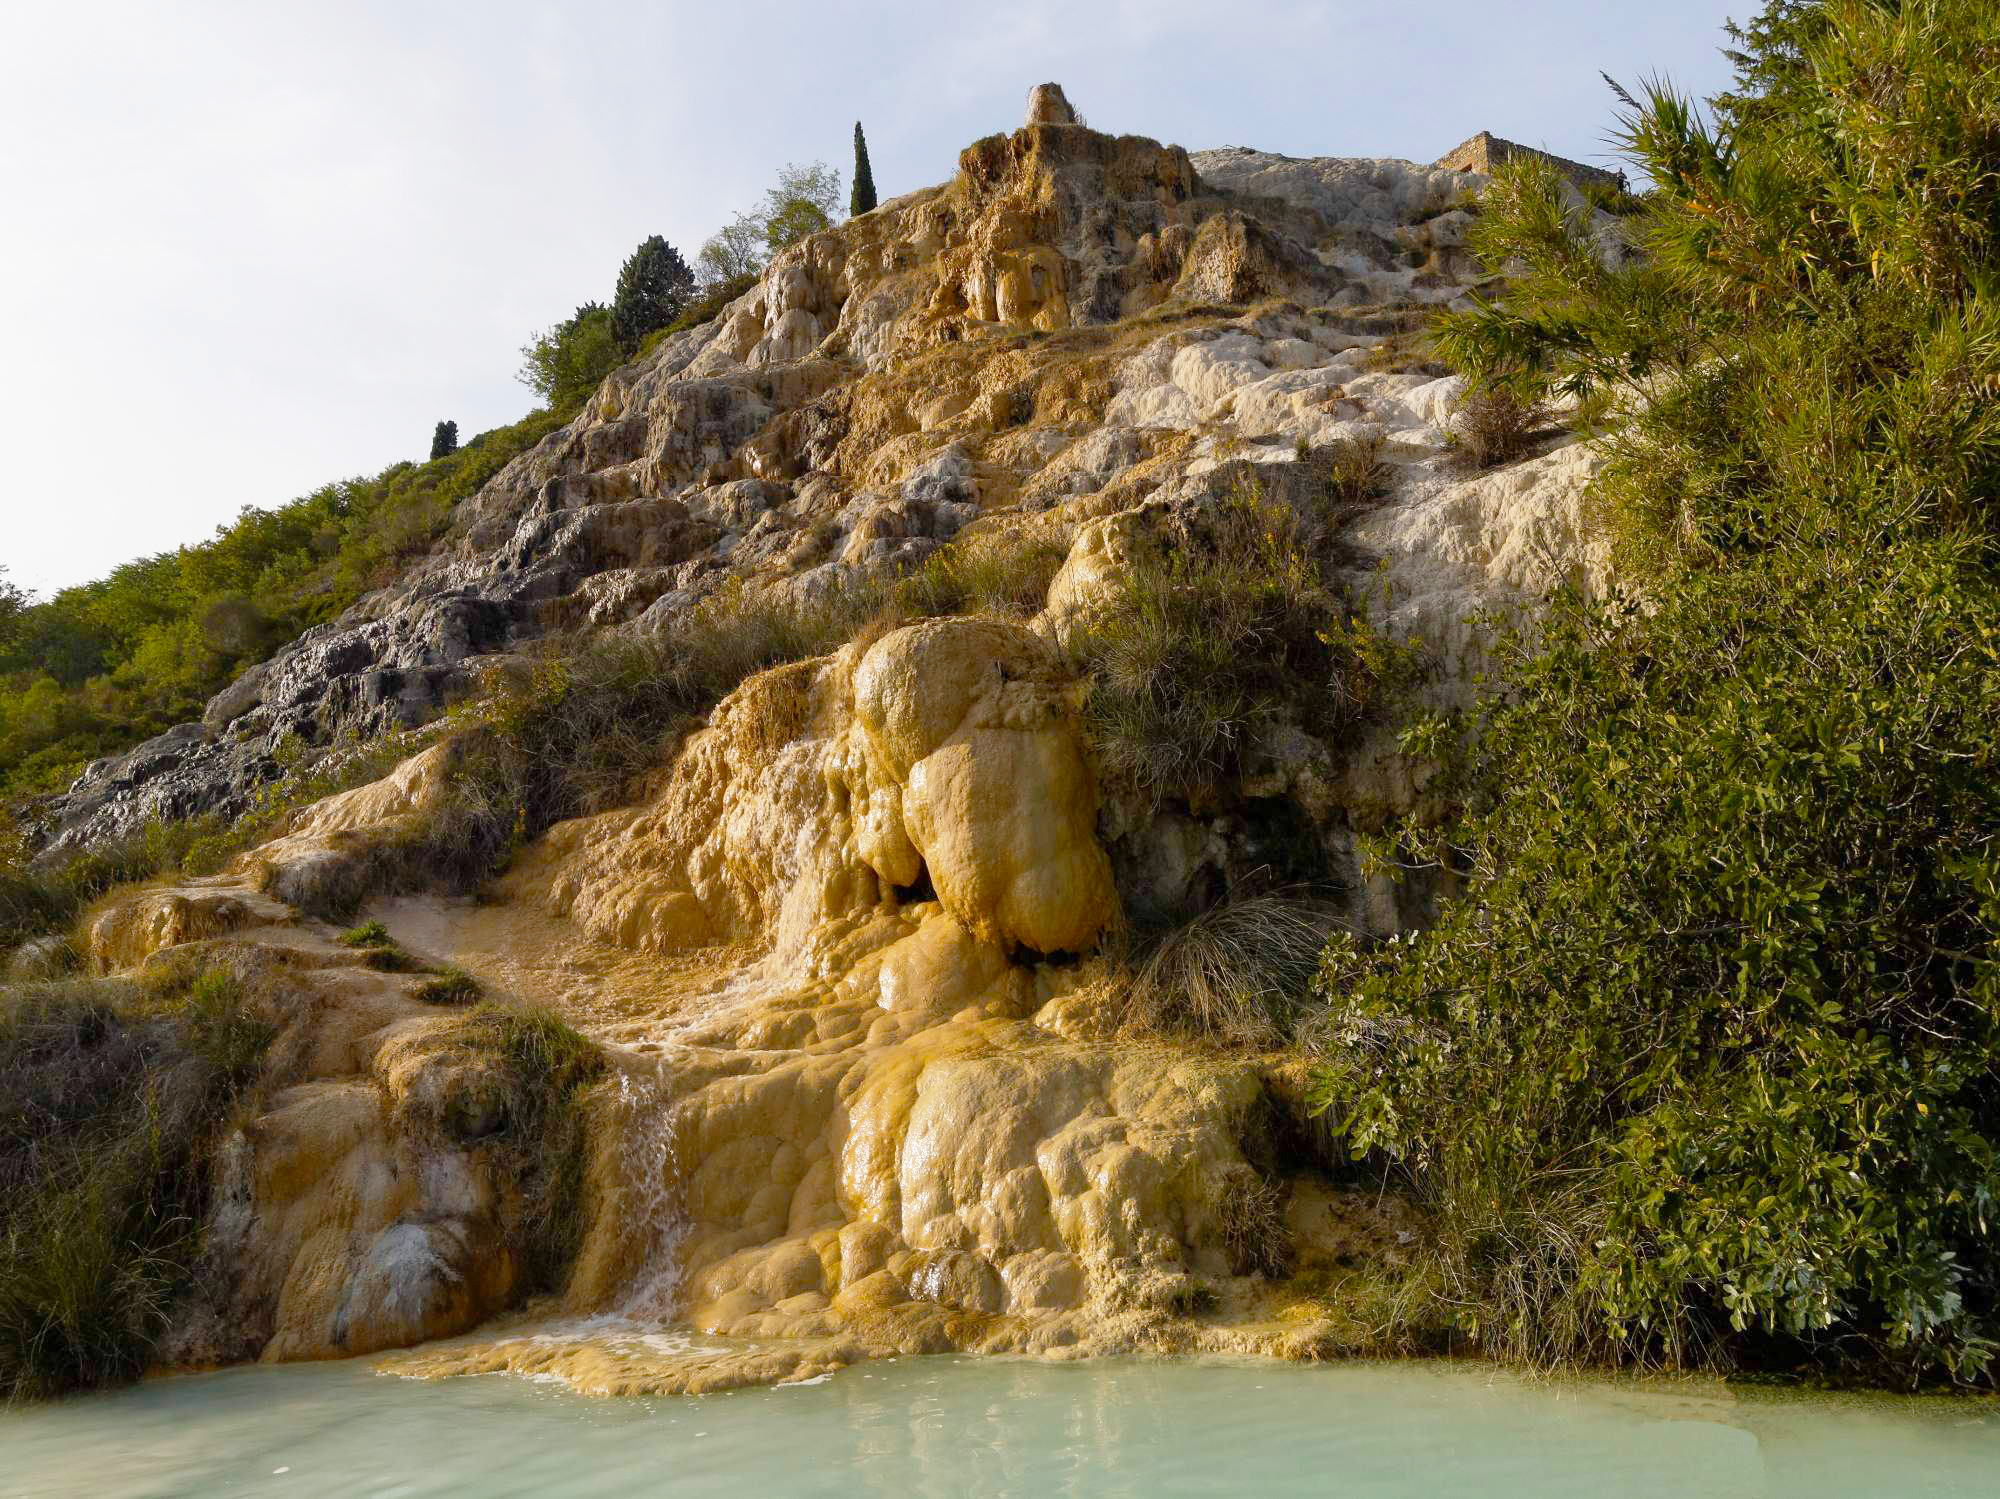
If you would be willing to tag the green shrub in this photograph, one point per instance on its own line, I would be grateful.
(565, 363)
(111, 1096)
(1229, 626)
(555, 1068)
(988, 572)
(452, 986)
(1703, 1068)
(801, 203)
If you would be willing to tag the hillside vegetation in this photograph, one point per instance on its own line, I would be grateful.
(1703, 1067)
(100, 666)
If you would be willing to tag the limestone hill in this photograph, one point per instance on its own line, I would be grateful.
(859, 957)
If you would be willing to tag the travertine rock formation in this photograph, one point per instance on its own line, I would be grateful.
(849, 961)
(1048, 105)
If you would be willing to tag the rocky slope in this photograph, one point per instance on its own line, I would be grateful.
(851, 962)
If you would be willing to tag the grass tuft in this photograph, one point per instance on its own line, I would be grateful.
(1240, 974)
(554, 1068)
(988, 572)
(452, 986)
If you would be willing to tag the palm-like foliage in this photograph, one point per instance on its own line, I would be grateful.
(1707, 1063)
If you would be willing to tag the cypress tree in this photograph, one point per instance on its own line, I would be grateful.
(862, 198)
(444, 439)
(654, 285)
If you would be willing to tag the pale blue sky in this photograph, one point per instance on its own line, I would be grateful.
(247, 248)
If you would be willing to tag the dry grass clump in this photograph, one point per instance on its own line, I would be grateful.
(1239, 974)
(1491, 425)
(1249, 1216)
(112, 1094)
(1353, 466)
(988, 572)
(1503, 1260)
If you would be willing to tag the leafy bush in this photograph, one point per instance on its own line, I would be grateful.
(1704, 1066)
(802, 202)
(111, 1095)
(564, 364)
(735, 252)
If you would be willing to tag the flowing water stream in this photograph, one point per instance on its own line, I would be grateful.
(651, 1181)
(957, 1426)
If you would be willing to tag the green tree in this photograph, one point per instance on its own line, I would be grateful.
(801, 203)
(734, 251)
(654, 286)
(444, 440)
(564, 364)
(862, 199)
(1769, 55)
(13, 601)
(1705, 1064)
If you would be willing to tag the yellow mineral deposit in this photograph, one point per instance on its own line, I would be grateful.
(878, 1136)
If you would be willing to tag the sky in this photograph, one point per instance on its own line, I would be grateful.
(250, 248)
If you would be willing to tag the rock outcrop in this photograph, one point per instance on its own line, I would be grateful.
(851, 963)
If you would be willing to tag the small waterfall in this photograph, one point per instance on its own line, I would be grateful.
(651, 1201)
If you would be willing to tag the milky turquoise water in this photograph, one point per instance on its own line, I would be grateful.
(954, 1427)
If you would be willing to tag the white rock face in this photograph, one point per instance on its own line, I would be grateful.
(1348, 192)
